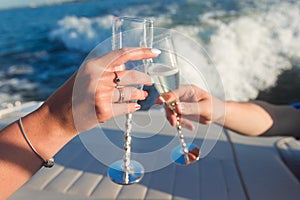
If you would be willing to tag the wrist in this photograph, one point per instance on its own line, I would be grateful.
(57, 109)
(219, 111)
(47, 131)
(57, 120)
(229, 109)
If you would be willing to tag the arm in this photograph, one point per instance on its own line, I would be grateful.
(198, 105)
(247, 118)
(18, 162)
(262, 118)
(52, 126)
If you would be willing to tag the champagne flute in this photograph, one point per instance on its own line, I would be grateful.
(165, 74)
(129, 32)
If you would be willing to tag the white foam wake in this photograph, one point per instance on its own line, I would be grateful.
(82, 33)
(250, 48)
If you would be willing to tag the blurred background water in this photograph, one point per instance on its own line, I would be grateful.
(255, 44)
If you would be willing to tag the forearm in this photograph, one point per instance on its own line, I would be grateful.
(47, 134)
(247, 118)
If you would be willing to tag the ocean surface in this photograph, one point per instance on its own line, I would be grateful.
(255, 44)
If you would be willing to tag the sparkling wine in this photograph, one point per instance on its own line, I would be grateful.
(165, 78)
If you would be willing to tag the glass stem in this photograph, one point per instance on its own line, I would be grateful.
(127, 147)
(181, 138)
(172, 106)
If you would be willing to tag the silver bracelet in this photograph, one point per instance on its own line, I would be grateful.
(47, 163)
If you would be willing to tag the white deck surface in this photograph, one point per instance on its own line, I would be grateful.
(238, 167)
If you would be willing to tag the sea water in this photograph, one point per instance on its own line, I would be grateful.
(252, 43)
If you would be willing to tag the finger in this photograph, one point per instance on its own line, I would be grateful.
(172, 95)
(160, 100)
(171, 116)
(132, 77)
(198, 111)
(128, 93)
(188, 108)
(124, 108)
(168, 97)
(191, 93)
(121, 56)
(183, 93)
(135, 53)
(186, 93)
(185, 123)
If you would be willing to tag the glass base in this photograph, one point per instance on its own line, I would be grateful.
(178, 156)
(134, 174)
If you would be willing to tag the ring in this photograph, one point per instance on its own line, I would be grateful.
(117, 79)
(122, 95)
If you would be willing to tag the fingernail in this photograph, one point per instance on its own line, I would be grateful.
(137, 107)
(152, 81)
(156, 51)
(145, 94)
(162, 99)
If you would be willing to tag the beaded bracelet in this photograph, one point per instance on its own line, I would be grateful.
(46, 163)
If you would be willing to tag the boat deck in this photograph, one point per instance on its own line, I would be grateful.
(238, 167)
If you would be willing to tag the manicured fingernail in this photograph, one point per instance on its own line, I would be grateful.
(145, 94)
(137, 107)
(152, 81)
(161, 99)
(156, 51)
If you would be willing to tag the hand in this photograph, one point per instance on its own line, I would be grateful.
(90, 96)
(195, 104)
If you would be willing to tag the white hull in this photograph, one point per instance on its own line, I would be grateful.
(238, 167)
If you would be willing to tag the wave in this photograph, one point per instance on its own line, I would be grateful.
(250, 48)
(251, 51)
(13, 89)
(82, 33)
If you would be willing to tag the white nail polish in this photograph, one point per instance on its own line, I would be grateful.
(152, 80)
(137, 107)
(156, 51)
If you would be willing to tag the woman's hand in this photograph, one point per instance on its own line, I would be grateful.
(91, 96)
(195, 104)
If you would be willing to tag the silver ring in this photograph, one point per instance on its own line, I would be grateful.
(122, 95)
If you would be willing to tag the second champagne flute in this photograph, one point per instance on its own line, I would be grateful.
(165, 74)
